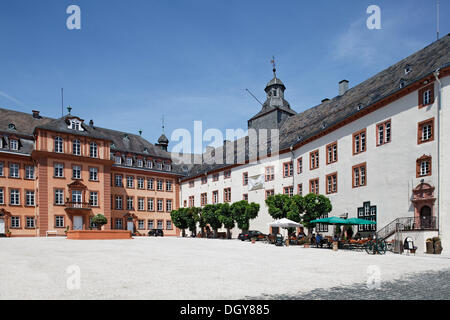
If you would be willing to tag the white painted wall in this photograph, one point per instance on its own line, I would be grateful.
(391, 168)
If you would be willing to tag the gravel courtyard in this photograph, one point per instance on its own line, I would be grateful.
(176, 268)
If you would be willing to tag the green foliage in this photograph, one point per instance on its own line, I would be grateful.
(296, 208)
(226, 216)
(279, 205)
(242, 212)
(192, 216)
(211, 216)
(315, 207)
(179, 218)
(99, 220)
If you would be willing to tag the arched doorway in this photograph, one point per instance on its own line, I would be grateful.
(423, 200)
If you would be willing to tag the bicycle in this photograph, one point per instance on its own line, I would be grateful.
(376, 247)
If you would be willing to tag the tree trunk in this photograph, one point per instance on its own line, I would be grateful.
(203, 232)
(215, 233)
(183, 233)
(228, 233)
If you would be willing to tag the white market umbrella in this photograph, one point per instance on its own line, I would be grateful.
(285, 223)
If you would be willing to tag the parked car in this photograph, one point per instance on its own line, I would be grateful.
(156, 233)
(252, 234)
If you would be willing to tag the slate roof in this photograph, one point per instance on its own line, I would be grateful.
(313, 121)
(25, 125)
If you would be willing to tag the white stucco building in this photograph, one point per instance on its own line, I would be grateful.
(379, 150)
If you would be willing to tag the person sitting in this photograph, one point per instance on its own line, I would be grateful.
(319, 240)
(313, 239)
(335, 238)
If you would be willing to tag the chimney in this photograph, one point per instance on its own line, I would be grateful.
(36, 114)
(343, 87)
(91, 123)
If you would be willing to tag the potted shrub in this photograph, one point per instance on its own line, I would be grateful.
(99, 220)
(67, 229)
(8, 233)
(253, 239)
(437, 245)
(429, 246)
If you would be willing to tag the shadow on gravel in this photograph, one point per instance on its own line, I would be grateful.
(433, 285)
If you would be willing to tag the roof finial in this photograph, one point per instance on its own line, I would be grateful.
(274, 66)
(69, 108)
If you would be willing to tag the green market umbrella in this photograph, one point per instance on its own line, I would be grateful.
(357, 221)
(330, 220)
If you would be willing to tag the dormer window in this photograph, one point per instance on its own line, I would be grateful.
(274, 93)
(159, 165)
(129, 161)
(1, 142)
(408, 69)
(11, 126)
(167, 167)
(75, 125)
(140, 163)
(118, 160)
(402, 84)
(149, 164)
(14, 144)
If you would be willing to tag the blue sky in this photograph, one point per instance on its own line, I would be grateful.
(133, 61)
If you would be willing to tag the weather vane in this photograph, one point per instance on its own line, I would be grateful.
(274, 65)
(162, 123)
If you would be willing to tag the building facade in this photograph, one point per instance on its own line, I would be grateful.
(377, 150)
(56, 174)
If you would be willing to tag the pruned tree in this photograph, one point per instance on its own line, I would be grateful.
(179, 219)
(316, 206)
(243, 212)
(226, 217)
(211, 216)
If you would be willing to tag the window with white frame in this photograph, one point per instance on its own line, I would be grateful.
(59, 145)
(129, 161)
(77, 197)
(367, 212)
(14, 144)
(30, 222)
(359, 142)
(29, 172)
(1, 142)
(59, 196)
(119, 224)
(118, 180)
(76, 147)
(151, 204)
(15, 222)
(215, 197)
(59, 221)
(169, 225)
(384, 133)
(76, 125)
(29, 198)
(270, 173)
(2, 196)
(140, 182)
(93, 150)
(141, 224)
(14, 170)
(160, 225)
(149, 164)
(140, 163)
(359, 175)
(129, 203)
(119, 204)
(2, 166)
(93, 198)
(300, 189)
(118, 160)
(76, 172)
(168, 185)
(160, 205)
(159, 185)
(130, 182)
(59, 170)
(15, 197)
(93, 174)
(141, 204)
(150, 184)
(167, 167)
(150, 224)
(159, 165)
(168, 205)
